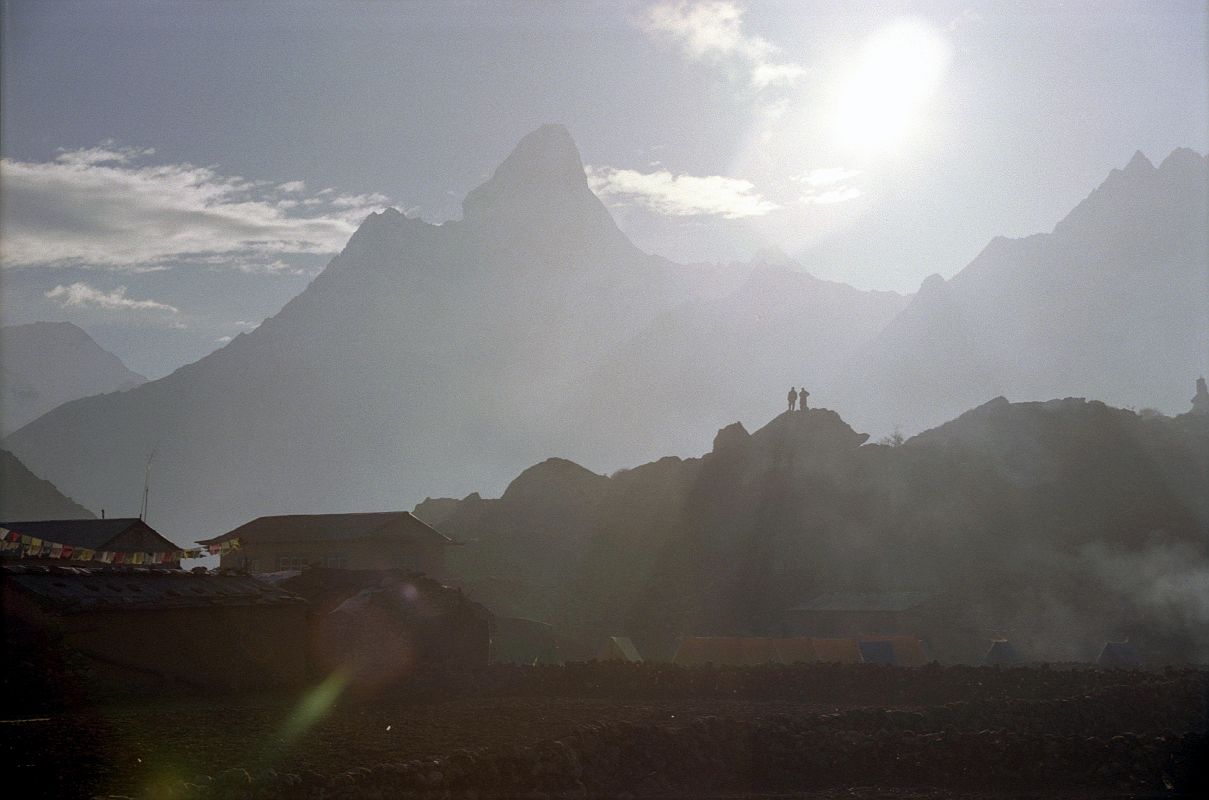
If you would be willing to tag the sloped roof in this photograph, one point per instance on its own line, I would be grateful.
(69, 589)
(94, 534)
(333, 528)
(874, 601)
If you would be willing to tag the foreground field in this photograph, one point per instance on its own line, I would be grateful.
(605, 730)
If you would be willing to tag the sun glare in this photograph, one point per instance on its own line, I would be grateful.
(883, 99)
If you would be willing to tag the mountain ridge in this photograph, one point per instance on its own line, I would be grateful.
(45, 364)
(436, 359)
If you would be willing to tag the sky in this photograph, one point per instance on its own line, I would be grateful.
(173, 173)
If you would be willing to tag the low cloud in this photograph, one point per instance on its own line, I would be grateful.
(252, 266)
(828, 176)
(840, 195)
(714, 30)
(360, 200)
(828, 185)
(101, 207)
(81, 295)
(681, 195)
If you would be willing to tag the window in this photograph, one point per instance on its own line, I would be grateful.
(285, 561)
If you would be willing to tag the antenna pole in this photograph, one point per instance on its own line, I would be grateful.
(146, 486)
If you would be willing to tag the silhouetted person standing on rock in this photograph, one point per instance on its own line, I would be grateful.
(802, 395)
(793, 397)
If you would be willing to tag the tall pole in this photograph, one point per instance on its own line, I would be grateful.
(146, 486)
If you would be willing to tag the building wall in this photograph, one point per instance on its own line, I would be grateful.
(354, 554)
(210, 647)
(239, 647)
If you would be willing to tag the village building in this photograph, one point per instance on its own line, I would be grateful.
(125, 536)
(380, 626)
(133, 629)
(366, 541)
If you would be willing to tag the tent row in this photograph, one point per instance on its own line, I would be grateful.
(748, 651)
(1113, 654)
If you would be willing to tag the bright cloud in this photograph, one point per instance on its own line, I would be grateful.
(714, 29)
(100, 208)
(840, 195)
(81, 295)
(828, 176)
(681, 195)
(360, 200)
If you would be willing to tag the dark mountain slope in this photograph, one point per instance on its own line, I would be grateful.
(25, 496)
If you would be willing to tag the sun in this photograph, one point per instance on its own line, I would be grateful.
(883, 99)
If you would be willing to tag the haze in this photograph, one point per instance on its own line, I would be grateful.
(875, 143)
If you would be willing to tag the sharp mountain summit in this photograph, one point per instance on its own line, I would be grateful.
(440, 359)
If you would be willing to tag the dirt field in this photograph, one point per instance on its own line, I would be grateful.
(608, 730)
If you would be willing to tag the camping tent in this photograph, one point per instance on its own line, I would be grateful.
(838, 651)
(877, 651)
(908, 651)
(1119, 654)
(619, 648)
(1001, 651)
(799, 650)
(734, 651)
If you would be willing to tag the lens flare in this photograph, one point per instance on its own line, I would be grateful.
(315, 705)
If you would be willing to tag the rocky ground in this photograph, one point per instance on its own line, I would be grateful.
(613, 730)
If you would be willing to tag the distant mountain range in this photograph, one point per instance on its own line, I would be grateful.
(46, 364)
(438, 359)
(1112, 304)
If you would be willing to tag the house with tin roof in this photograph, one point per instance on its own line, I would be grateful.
(377, 541)
(124, 535)
(131, 629)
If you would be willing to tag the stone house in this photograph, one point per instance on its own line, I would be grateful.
(366, 541)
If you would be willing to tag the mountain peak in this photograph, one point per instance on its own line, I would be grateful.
(544, 168)
(1183, 158)
(1139, 163)
(932, 284)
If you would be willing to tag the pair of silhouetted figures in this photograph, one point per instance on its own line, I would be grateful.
(796, 396)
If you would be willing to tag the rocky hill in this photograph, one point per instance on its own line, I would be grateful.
(1035, 517)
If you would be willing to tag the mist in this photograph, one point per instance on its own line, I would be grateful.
(689, 398)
